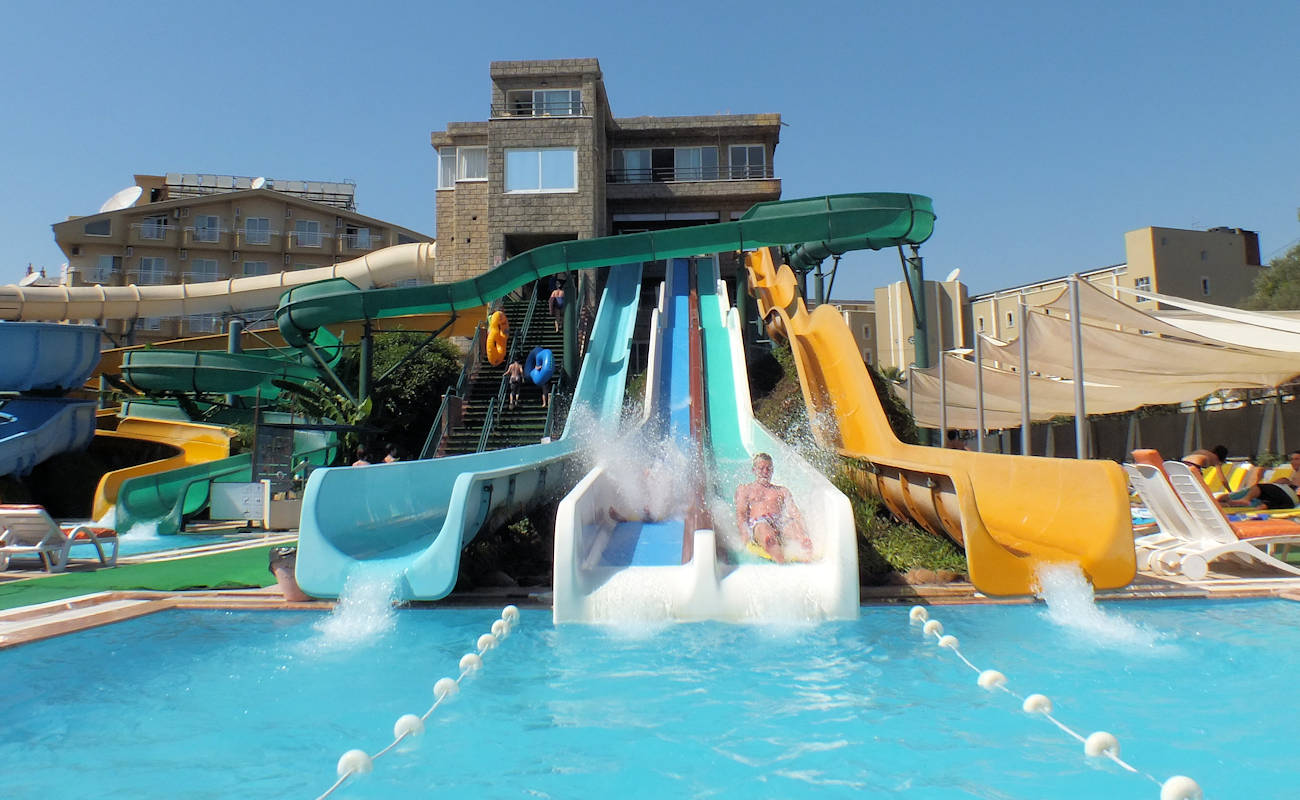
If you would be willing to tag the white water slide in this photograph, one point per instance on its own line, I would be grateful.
(612, 571)
(54, 303)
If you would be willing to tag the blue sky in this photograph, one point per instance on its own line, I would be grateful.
(1043, 132)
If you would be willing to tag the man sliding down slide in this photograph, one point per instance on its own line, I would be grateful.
(767, 514)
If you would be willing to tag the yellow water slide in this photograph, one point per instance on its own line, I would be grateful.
(1010, 513)
(194, 444)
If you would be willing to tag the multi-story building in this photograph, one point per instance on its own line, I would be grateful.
(195, 228)
(552, 163)
(1217, 266)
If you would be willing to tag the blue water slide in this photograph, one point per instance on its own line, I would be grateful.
(46, 356)
(411, 519)
(33, 429)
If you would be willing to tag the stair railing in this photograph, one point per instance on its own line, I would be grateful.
(489, 422)
(438, 430)
(487, 426)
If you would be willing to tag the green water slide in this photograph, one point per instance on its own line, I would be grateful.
(411, 519)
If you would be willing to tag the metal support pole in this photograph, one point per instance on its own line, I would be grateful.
(1026, 444)
(979, 393)
(571, 301)
(819, 285)
(234, 344)
(1080, 410)
(742, 303)
(943, 400)
(367, 361)
(911, 390)
(914, 273)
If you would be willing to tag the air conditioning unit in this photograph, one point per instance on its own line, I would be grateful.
(338, 223)
(286, 259)
(236, 212)
(288, 212)
(130, 251)
(234, 256)
(185, 212)
(184, 254)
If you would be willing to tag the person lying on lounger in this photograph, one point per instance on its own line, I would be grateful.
(1281, 493)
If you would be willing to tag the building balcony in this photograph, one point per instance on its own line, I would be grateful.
(202, 236)
(154, 233)
(150, 278)
(306, 240)
(558, 108)
(690, 174)
(256, 239)
(742, 189)
(201, 277)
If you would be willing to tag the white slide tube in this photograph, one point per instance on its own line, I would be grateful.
(57, 303)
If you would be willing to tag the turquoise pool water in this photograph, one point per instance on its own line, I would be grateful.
(225, 704)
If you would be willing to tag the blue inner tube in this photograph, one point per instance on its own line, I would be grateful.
(540, 365)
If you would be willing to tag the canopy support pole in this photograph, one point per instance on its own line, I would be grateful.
(1026, 442)
(979, 393)
(1080, 411)
(943, 399)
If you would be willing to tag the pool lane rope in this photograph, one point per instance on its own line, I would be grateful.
(1095, 745)
(359, 762)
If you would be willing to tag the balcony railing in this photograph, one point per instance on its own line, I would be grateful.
(556, 108)
(202, 277)
(255, 236)
(150, 278)
(151, 231)
(359, 241)
(203, 324)
(690, 174)
(307, 239)
(206, 235)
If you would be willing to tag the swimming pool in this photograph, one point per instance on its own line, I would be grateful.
(228, 704)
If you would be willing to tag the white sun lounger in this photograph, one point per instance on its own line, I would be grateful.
(28, 530)
(1192, 537)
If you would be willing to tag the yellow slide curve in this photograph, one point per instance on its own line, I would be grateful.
(195, 444)
(1010, 513)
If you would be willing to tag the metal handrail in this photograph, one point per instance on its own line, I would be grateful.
(434, 438)
(487, 425)
(721, 172)
(554, 108)
(519, 336)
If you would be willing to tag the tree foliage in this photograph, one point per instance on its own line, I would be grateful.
(1278, 287)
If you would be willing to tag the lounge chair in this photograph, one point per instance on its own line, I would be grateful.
(1192, 536)
(29, 531)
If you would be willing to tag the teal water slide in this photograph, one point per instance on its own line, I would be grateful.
(412, 519)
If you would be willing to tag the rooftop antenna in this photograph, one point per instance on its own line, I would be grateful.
(123, 199)
(952, 276)
(258, 183)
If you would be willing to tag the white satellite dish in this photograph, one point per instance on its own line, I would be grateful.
(123, 199)
(952, 276)
(258, 183)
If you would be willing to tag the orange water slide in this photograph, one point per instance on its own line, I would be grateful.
(194, 443)
(1010, 513)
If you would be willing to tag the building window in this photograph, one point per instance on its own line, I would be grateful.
(1011, 319)
(544, 103)
(630, 166)
(152, 271)
(549, 170)
(105, 269)
(100, 227)
(461, 164)
(979, 324)
(256, 268)
(150, 324)
(695, 164)
(203, 324)
(866, 331)
(306, 232)
(747, 161)
(1205, 255)
(257, 230)
(447, 168)
(207, 228)
(1205, 286)
(202, 270)
(153, 228)
(356, 237)
(1143, 285)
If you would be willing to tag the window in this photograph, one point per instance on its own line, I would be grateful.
(153, 228)
(255, 268)
(1011, 319)
(207, 228)
(549, 170)
(747, 161)
(544, 103)
(866, 331)
(979, 324)
(150, 324)
(100, 227)
(306, 232)
(1205, 255)
(695, 164)
(1205, 286)
(356, 237)
(461, 164)
(203, 324)
(257, 230)
(107, 267)
(1142, 284)
(203, 270)
(152, 271)
(630, 166)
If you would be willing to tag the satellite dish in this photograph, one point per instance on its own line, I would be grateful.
(123, 199)
(258, 183)
(952, 276)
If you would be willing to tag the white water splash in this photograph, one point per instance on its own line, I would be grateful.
(364, 611)
(1071, 604)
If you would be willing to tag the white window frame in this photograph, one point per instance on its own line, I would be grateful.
(149, 324)
(106, 222)
(156, 269)
(207, 228)
(540, 189)
(695, 174)
(105, 267)
(1142, 284)
(447, 167)
(745, 171)
(252, 268)
(257, 230)
(643, 174)
(204, 270)
(300, 232)
(1011, 319)
(539, 107)
(463, 165)
(154, 228)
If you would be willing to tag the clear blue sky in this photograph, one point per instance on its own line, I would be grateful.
(1043, 132)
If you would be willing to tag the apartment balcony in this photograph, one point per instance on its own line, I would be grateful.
(202, 324)
(558, 108)
(257, 239)
(307, 241)
(150, 278)
(361, 242)
(757, 181)
(198, 237)
(154, 233)
(201, 277)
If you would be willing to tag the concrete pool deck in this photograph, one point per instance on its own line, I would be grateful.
(32, 614)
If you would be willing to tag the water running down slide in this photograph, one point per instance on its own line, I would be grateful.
(1011, 513)
(606, 570)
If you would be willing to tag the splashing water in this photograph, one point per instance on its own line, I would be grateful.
(1072, 605)
(364, 611)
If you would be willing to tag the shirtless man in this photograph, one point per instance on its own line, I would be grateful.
(556, 304)
(515, 376)
(767, 513)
